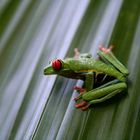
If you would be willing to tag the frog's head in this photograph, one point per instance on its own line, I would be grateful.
(57, 66)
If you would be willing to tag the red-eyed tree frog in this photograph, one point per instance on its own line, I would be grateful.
(85, 67)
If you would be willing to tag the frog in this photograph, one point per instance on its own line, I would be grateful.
(83, 66)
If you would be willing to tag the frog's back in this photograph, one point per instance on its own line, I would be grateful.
(92, 65)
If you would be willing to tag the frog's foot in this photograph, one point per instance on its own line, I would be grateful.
(80, 90)
(76, 53)
(80, 103)
(106, 50)
(83, 105)
(78, 97)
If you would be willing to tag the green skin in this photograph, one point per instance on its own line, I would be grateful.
(84, 67)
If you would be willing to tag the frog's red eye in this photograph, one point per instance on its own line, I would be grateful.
(56, 64)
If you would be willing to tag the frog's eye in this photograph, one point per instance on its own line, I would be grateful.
(57, 64)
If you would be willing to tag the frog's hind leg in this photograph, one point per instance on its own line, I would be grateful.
(107, 56)
(104, 92)
(101, 94)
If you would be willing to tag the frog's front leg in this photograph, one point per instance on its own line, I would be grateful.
(88, 84)
(100, 94)
(83, 55)
(76, 53)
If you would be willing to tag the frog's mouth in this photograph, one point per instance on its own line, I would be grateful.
(49, 71)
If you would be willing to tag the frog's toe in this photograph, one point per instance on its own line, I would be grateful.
(78, 97)
(79, 89)
(76, 53)
(83, 105)
(106, 50)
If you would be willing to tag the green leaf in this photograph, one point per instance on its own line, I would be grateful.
(38, 107)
